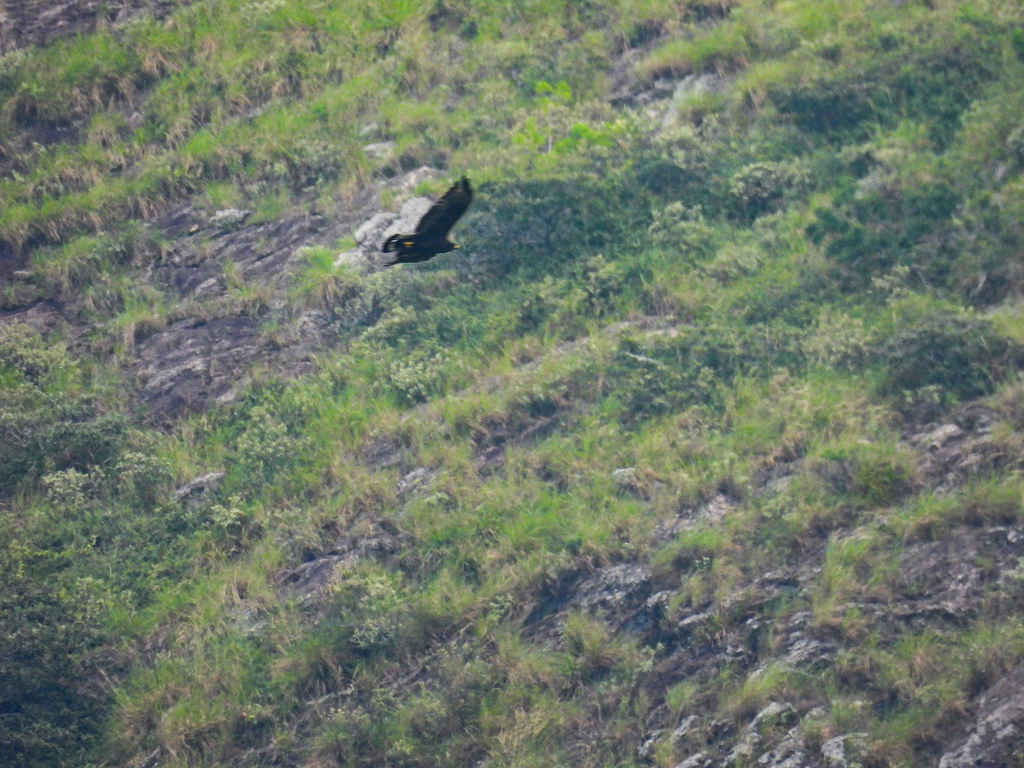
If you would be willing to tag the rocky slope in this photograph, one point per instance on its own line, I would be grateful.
(38, 22)
(696, 457)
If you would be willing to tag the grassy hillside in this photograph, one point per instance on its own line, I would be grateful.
(705, 447)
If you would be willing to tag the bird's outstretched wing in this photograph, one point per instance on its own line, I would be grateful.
(446, 211)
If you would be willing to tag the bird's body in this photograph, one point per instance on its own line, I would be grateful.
(431, 235)
(411, 248)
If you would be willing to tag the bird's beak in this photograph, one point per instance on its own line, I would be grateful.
(458, 246)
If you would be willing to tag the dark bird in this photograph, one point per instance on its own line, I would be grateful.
(431, 235)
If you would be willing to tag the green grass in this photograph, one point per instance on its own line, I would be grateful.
(812, 279)
(723, 48)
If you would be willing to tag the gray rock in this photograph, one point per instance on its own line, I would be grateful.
(416, 480)
(700, 760)
(715, 510)
(775, 714)
(313, 324)
(997, 736)
(844, 751)
(26, 23)
(833, 753)
(248, 619)
(229, 218)
(314, 576)
(807, 653)
(939, 437)
(615, 589)
(412, 211)
(694, 620)
(788, 754)
(404, 185)
(631, 482)
(624, 475)
(310, 581)
(382, 150)
(646, 749)
(191, 363)
(953, 453)
(152, 760)
(941, 578)
(199, 487)
(354, 260)
(744, 750)
(687, 728)
(43, 316)
(371, 234)
(749, 744)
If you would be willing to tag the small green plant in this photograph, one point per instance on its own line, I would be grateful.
(957, 354)
(762, 187)
(324, 284)
(682, 229)
(724, 48)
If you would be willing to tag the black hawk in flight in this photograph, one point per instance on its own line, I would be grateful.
(431, 235)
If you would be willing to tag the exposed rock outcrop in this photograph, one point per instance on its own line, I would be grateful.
(38, 22)
(996, 738)
(373, 232)
(961, 448)
(200, 488)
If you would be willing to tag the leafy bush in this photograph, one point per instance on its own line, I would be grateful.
(960, 355)
(839, 341)
(929, 70)
(877, 230)
(50, 654)
(877, 474)
(682, 229)
(659, 374)
(563, 219)
(761, 188)
(420, 376)
(44, 428)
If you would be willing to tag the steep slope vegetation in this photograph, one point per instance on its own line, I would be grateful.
(704, 451)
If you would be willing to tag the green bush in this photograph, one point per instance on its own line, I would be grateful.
(420, 376)
(929, 69)
(556, 219)
(45, 425)
(876, 474)
(659, 374)
(878, 230)
(960, 355)
(682, 229)
(763, 187)
(51, 656)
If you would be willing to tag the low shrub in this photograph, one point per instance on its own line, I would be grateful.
(960, 356)
(658, 374)
(764, 187)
